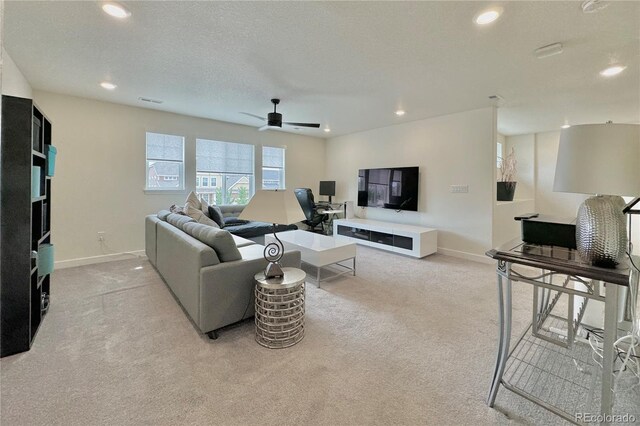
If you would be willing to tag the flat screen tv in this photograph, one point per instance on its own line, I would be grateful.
(389, 188)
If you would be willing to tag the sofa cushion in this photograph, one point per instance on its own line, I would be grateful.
(216, 215)
(231, 209)
(178, 220)
(162, 214)
(232, 220)
(219, 240)
(198, 216)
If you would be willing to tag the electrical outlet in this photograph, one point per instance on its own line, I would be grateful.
(101, 235)
(460, 189)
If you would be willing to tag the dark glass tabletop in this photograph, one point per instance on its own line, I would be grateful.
(558, 259)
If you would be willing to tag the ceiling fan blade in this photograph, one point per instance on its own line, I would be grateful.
(316, 125)
(254, 116)
(265, 127)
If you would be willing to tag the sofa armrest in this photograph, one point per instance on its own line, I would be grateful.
(226, 290)
(150, 237)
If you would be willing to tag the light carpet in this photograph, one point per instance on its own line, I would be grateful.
(406, 341)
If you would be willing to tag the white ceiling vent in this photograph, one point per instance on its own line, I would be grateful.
(548, 50)
(153, 101)
(591, 6)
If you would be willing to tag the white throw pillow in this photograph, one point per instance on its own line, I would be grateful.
(204, 206)
(192, 199)
(198, 216)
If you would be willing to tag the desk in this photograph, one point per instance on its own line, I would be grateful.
(332, 214)
(577, 280)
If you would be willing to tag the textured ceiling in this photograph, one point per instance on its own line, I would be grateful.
(347, 65)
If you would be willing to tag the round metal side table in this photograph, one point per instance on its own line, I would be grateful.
(280, 309)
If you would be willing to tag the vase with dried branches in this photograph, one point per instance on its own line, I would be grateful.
(506, 185)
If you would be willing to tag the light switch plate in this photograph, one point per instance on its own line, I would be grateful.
(459, 189)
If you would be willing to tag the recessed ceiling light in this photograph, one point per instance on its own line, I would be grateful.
(611, 71)
(591, 6)
(116, 10)
(400, 113)
(488, 16)
(566, 126)
(107, 85)
(327, 130)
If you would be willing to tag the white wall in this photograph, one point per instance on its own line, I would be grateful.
(455, 149)
(13, 82)
(100, 168)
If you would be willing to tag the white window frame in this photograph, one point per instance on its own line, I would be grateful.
(180, 188)
(284, 166)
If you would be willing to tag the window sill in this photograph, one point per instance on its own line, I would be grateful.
(163, 191)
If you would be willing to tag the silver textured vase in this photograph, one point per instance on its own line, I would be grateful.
(601, 231)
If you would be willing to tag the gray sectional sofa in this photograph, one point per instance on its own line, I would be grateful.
(209, 270)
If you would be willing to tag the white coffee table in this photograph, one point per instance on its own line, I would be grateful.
(318, 250)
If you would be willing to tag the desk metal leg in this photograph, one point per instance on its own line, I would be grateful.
(610, 336)
(504, 314)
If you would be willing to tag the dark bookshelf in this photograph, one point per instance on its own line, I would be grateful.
(25, 216)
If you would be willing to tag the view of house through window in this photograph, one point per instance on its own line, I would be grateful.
(272, 168)
(224, 172)
(165, 161)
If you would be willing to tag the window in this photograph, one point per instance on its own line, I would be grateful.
(197, 181)
(228, 167)
(499, 157)
(165, 162)
(272, 168)
(205, 181)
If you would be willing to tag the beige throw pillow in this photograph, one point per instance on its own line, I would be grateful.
(198, 216)
(204, 206)
(192, 199)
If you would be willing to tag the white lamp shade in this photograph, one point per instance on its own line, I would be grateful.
(280, 207)
(599, 159)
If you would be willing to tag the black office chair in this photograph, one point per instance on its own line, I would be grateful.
(305, 198)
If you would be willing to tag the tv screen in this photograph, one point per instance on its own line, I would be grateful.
(390, 188)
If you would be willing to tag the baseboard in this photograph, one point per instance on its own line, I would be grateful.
(465, 255)
(72, 263)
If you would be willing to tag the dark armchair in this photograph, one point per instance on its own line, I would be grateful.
(305, 198)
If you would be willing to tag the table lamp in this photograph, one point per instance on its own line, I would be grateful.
(280, 207)
(601, 160)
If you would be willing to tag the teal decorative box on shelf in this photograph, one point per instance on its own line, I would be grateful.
(45, 259)
(51, 159)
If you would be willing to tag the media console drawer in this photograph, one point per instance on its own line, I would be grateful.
(411, 240)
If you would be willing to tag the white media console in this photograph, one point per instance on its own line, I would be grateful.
(411, 240)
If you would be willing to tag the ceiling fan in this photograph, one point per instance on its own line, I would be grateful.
(274, 119)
